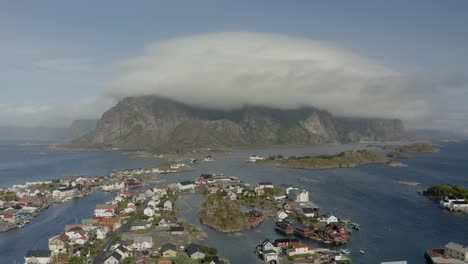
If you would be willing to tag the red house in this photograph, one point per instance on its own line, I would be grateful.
(284, 228)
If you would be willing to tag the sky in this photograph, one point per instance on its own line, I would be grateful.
(66, 60)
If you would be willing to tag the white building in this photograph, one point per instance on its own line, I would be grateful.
(63, 193)
(299, 196)
(167, 206)
(255, 158)
(149, 211)
(143, 242)
(38, 257)
(456, 251)
(281, 215)
(186, 185)
(105, 210)
(328, 218)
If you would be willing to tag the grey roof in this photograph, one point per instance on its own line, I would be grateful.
(116, 255)
(192, 248)
(38, 253)
(177, 229)
(457, 247)
(168, 246)
(308, 210)
(186, 182)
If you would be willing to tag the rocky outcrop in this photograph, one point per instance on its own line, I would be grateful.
(166, 125)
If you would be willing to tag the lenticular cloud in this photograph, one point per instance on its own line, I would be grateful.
(229, 70)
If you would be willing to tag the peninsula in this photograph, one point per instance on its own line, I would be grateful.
(349, 158)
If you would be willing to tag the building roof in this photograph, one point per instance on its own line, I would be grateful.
(105, 206)
(38, 253)
(116, 255)
(177, 229)
(183, 183)
(457, 247)
(192, 248)
(168, 246)
(308, 210)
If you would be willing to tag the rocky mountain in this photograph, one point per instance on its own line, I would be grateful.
(165, 125)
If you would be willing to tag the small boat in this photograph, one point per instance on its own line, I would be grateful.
(26, 221)
(21, 225)
(345, 251)
(362, 251)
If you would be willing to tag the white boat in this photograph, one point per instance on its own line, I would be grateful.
(21, 225)
(362, 251)
(255, 158)
(345, 251)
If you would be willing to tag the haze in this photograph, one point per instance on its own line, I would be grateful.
(62, 62)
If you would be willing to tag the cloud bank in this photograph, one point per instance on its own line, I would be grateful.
(232, 69)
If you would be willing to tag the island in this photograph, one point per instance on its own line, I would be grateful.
(402, 151)
(223, 214)
(349, 158)
(451, 197)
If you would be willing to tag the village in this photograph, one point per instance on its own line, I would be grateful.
(140, 224)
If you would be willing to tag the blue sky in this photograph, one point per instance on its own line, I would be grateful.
(59, 53)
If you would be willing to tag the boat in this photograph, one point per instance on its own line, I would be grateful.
(21, 225)
(362, 251)
(345, 251)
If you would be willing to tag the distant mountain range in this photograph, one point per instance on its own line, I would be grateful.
(165, 125)
(47, 134)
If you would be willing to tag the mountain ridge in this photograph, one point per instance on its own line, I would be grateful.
(162, 124)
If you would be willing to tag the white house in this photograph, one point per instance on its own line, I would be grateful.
(299, 196)
(56, 245)
(281, 215)
(263, 185)
(38, 257)
(456, 251)
(328, 218)
(186, 185)
(143, 242)
(153, 203)
(114, 258)
(167, 206)
(149, 211)
(63, 193)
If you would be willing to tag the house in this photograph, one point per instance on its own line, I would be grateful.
(167, 222)
(142, 242)
(284, 242)
(144, 260)
(63, 193)
(263, 185)
(281, 215)
(298, 248)
(105, 210)
(284, 227)
(129, 209)
(459, 206)
(267, 245)
(212, 260)
(122, 251)
(307, 211)
(205, 179)
(114, 258)
(141, 225)
(177, 230)
(169, 250)
(56, 245)
(270, 256)
(167, 206)
(186, 185)
(149, 211)
(449, 199)
(302, 231)
(299, 196)
(113, 223)
(328, 218)
(194, 252)
(154, 203)
(232, 196)
(456, 251)
(38, 257)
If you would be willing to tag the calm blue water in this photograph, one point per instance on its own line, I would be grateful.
(397, 223)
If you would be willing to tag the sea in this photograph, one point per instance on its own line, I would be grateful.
(396, 222)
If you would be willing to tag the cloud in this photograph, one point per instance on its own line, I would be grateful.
(231, 69)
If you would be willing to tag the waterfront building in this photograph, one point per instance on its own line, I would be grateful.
(456, 251)
(38, 257)
(299, 196)
(169, 250)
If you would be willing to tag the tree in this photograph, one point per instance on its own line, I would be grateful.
(92, 235)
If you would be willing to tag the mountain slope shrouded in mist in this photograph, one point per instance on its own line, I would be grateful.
(165, 125)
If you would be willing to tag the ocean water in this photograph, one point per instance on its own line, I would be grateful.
(396, 222)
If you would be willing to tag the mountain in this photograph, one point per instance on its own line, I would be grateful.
(80, 128)
(162, 124)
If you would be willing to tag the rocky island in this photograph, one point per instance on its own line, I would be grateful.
(402, 151)
(349, 158)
